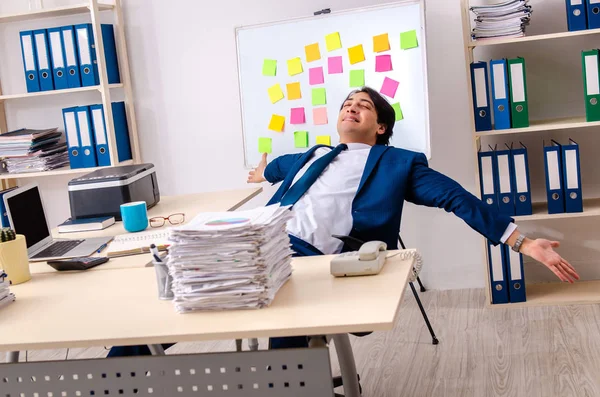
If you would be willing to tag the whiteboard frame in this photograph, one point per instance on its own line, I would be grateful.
(337, 13)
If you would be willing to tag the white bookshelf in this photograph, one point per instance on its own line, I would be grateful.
(553, 293)
(93, 9)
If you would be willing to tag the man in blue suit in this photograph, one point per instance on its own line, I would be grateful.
(359, 188)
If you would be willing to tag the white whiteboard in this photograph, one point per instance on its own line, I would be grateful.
(285, 40)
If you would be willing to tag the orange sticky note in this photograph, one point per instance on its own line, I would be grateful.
(356, 54)
(381, 43)
(333, 41)
(323, 140)
(312, 52)
(294, 66)
(276, 123)
(275, 93)
(293, 90)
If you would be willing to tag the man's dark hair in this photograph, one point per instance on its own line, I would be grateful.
(385, 113)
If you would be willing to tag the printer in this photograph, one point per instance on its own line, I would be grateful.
(101, 193)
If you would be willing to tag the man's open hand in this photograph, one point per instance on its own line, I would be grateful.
(542, 250)
(256, 175)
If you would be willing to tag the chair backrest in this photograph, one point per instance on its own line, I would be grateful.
(286, 372)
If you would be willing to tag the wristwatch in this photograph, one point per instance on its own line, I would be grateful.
(517, 246)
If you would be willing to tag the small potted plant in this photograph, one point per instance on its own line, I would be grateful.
(13, 256)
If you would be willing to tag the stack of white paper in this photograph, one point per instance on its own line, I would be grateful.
(506, 19)
(6, 296)
(230, 260)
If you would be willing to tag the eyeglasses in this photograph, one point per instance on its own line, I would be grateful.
(174, 219)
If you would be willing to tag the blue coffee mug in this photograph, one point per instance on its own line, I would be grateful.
(135, 216)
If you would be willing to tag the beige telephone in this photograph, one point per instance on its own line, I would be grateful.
(368, 260)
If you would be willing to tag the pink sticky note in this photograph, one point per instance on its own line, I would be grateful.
(383, 63)
(319, 116)
(389, 87)
(297, 116)
(334, 65)
(315, 76)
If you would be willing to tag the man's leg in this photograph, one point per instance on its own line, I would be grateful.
(128, 351)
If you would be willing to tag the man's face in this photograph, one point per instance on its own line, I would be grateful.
(357, 121)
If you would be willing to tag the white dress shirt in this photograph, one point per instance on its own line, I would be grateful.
(326, 208)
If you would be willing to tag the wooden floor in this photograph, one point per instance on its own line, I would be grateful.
(542, 351)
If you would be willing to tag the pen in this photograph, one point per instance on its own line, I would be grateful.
(155, 253)
(102, 247)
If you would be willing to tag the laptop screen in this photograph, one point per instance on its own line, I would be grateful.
(27, 213)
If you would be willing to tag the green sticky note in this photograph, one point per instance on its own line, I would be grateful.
(357, 78)
(301, 139)
(398, 111)
(264, 145)
(269, 67)
(319, 97)
(408, 40)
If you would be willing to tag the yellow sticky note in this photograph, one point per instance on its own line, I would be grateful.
(333, 41)
(381, 43)
(275, 93)
(356, 54)
(323, 140)
(276, 123)
(294, 66)
(293, 90)
(312, 52)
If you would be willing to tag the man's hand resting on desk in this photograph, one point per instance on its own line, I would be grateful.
(256, 175)
(542, 250)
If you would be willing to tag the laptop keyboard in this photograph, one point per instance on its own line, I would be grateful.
(59, 248)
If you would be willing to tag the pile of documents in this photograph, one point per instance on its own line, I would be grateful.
(27, 150)
(230, 260)
(506, 19)
(6, 296)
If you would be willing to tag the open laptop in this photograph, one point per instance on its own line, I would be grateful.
(26, 215)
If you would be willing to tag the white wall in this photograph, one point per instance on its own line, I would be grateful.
(183, 57)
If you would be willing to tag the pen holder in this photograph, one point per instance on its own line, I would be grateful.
(163, 280)
(14, 260)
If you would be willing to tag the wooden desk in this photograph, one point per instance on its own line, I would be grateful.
(121, 307)
(191, 205)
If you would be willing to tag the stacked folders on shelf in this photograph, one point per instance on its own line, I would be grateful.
(505, 19)
(26, 150)
(505, 186)
(6, 296)
(583, 14)
(230, 260)
(65, 57)
(509, 94)
(86, 132)
(563, 177)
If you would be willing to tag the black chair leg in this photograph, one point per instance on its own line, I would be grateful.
(421, 284)
(433, 337)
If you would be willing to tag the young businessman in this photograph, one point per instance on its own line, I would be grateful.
(359, 187)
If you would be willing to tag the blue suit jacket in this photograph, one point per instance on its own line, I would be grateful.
(391, 176)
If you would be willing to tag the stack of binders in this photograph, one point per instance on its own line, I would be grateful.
(509, 94)
(504, 180)
(65, 57)
(505, 186)
(507, 279)
(563, 177)
(86, 133)
(591, 84)
(583, 14)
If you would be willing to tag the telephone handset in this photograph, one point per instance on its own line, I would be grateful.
(368, 260)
